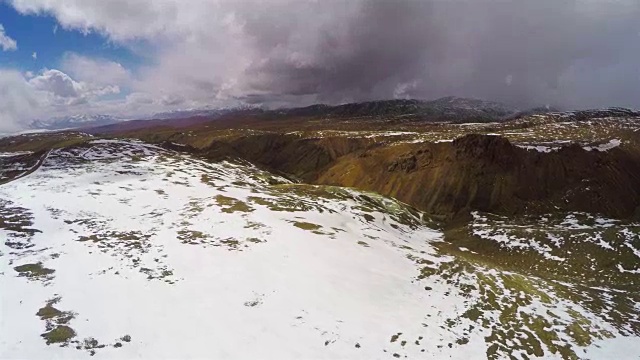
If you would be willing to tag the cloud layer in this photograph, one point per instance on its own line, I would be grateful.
(7, 43)
(25, 97)
(17, 100)
(575, 54)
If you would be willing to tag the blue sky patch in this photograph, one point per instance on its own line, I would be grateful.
(37, 34)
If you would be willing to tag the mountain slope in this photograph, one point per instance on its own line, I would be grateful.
(488, 173)
(449, 109)
(444, 109)
(160, 252)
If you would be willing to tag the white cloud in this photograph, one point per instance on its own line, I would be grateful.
(121, 19)
(34, 55)
(52, 93)
(139, 103)
(219, 52)
(98, 71)
(7, 43)
(57, 83)
(18, 101)
(202, 49)
(140, 98)
(63, 90)
(28, 96)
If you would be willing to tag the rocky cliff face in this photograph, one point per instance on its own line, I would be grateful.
(488, 173)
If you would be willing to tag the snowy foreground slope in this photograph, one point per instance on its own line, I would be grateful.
(124, 250)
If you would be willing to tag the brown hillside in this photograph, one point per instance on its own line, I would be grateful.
(421, 165)
(488, 173)
(474, 172)
(302, 158)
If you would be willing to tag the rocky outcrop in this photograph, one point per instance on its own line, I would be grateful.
(487, 173)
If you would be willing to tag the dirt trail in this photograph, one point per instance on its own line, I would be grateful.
(19, 175)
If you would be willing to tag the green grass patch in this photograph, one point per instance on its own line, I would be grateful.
(34, 271)
(59, 335)
(231, 205)
(306, 226)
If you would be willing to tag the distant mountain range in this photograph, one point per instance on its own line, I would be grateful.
(447, 109)
(444, 109)
(183, 114)
(74, 122)
(90, 121)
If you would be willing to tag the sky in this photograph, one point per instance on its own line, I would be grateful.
(130, 58)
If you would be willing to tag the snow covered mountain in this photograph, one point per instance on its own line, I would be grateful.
(74, 122)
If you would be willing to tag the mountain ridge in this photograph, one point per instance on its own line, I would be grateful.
(74, 122)
(448, 109)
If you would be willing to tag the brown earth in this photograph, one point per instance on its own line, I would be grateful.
(488, 173)
(446, 179)
(449, 179)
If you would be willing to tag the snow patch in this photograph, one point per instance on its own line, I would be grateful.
(614, 143)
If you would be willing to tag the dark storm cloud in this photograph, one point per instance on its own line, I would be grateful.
(382, 44)
(566, 53)
(569, 53)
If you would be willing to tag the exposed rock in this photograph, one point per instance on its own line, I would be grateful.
(408, 163)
